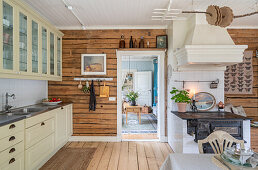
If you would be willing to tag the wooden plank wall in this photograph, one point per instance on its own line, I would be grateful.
(249, 102)
(103, 121)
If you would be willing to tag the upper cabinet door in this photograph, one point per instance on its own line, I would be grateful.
(59, 56)
(52, 53)
(35, 46)
(8, 34)
(44, 50)
(23, 42)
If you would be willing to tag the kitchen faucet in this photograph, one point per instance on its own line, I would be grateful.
(8, 107)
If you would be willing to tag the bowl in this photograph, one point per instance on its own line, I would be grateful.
(52, 103)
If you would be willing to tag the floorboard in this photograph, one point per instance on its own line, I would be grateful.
(110, 156)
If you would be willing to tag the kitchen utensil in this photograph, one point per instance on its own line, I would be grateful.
(80, 85)
(104, 91)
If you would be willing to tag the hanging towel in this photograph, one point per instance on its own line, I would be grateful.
(92, 97)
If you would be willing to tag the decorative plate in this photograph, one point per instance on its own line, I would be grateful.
(51, 103)
(204, 101)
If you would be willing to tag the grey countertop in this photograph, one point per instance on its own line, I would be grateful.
(210, 115)
(5, 119)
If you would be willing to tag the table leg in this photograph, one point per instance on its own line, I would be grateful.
(140, 117)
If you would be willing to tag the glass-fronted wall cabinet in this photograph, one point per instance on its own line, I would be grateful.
(23, 38)
(44, 51)
(30, 47)
(35, 46)
(7, 14)
(52, 53)
(59, 56)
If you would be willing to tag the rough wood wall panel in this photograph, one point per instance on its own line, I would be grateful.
(103, 121)
(249, 102)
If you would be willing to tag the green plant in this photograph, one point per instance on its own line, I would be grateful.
(132, 96)
(180, 96)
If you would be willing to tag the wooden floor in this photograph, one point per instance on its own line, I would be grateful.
(140, 136)
(125, 155)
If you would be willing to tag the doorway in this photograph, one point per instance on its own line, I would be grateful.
(141, 72)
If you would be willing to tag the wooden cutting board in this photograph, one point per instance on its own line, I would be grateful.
(104, 91)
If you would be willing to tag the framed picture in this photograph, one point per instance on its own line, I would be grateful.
(204, 101)
(162, 41)
(93, 64)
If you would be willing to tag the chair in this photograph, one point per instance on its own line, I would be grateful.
(219, 140)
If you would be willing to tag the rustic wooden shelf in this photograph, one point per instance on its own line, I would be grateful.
(142, 49)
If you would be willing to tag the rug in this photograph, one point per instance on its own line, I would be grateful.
(148, 124)
(70, 159)
(239, 77)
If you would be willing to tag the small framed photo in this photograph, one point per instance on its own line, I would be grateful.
(162, 41)
(93, 64)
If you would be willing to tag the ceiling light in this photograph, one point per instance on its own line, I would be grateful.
(177, 11)
(156, 12)
(160, 9)
(156, 16)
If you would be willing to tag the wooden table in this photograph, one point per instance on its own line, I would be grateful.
(135, 109)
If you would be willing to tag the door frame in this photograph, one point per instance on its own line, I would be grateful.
(161, 89)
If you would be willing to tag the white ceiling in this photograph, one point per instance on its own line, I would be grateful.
(131, 13)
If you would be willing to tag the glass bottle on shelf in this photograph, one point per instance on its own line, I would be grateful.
(44, 50)
(34, 47)
(7, 36)
(141, 43)
(131, 42)
(52, 55)
(122, 42)
(58, 56)
(23, 41)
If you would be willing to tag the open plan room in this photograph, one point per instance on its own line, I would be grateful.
(128, 85)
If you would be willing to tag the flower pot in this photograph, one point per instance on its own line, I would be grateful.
(181, 107)
(132, 103)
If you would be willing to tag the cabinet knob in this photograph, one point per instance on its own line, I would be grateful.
(62, 107)
(12, 126)
(42, 124)
(12, 160)
(12, 138)
(12, 150)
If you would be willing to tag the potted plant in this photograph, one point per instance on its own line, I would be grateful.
(181, 97)
(132, 96)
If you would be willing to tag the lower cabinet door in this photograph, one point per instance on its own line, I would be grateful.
(40, 152)
(15, 163)
(69, 111)
(61, 127)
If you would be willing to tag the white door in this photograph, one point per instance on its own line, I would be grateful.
(143, 85)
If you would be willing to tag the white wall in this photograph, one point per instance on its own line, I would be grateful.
(27, 92)
(198, 86)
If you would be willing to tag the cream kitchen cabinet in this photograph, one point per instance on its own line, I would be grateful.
(12, 146)
(61, 127)
(30, 48)
(63, 117)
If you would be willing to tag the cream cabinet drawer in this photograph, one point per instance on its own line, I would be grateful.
(39, 131)
(11, 128)
(39, 152)
(11, 152)
(14, 163)
(39, 118)
(11, 140)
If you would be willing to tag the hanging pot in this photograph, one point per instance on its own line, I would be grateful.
(132, 103)
(181, 107)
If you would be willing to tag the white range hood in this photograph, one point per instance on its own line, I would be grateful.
(206, 47)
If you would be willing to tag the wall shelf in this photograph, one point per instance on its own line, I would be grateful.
(94, 79)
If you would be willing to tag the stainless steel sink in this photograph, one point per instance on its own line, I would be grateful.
(26, 111)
